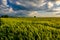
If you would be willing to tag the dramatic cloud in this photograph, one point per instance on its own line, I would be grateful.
(37, 5)
(39, 8)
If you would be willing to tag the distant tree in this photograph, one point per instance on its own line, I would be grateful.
(34, 16)
(5, 16)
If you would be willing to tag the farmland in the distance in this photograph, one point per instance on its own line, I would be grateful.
(30, 28)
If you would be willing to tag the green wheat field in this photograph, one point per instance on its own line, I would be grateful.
(43, 28)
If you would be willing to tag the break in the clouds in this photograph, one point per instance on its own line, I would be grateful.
(39, 8)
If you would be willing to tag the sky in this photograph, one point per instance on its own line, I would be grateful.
(30, 8)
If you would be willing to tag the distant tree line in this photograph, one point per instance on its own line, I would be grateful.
(5, 16)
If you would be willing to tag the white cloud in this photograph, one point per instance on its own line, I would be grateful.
(11, 10)
(44, 14)
(50, 4)
(57, 9)
(4, 2)
(34, 13)
(58, 2)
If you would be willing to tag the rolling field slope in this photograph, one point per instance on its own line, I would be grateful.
(29, 28)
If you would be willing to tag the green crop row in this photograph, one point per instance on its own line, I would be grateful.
(29, 29)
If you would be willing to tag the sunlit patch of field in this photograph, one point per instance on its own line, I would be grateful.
(30, 28)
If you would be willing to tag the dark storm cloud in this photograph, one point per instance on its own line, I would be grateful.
(27, 4)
